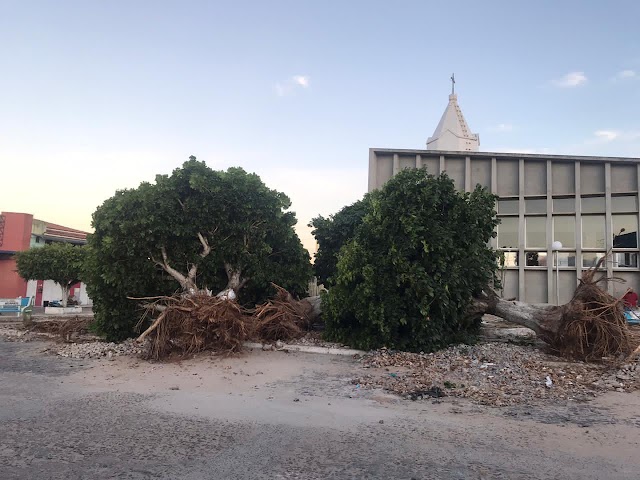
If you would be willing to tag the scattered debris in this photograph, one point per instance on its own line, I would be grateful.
(65, 329)
(282, 318)
(496, 374)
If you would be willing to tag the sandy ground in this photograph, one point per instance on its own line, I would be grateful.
(275, 415)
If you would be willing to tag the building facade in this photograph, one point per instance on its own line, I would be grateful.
(559, 214)
(19, 232)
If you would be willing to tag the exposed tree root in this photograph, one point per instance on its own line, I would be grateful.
(188, 324)
(283, 317)
(194, 323)
(591, 327)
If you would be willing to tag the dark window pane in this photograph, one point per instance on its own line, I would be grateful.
(506, 207)
(625, 231)
(536, 259)
(624, 203)
(535, 205)
(593, 231)
(564, 205)
(536, 232)
(593, 204)
(508, 232)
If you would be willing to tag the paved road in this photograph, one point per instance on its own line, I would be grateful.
(276, 416)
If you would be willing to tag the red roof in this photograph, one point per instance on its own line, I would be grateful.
(58, 232)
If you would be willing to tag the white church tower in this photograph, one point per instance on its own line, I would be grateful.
(452, 133)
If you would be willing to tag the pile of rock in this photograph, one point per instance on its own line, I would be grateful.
(98, 349)
(494, 374)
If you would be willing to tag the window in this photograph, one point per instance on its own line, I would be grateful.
(564, 205)
(535, 205)
(508, 232)
(564, 231)
(625, 231)
(624, 203)
(590, 259)
(625, 260)
(536, 259)
(509, 259)
(536, 232)
(508, 207)
(593, 204)
(593, 231)
(566, 259)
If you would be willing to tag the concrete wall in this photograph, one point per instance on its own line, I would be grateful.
(584, 202)
(53, 291)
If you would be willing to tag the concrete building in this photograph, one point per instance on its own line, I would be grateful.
(588, 204)
(19, 232)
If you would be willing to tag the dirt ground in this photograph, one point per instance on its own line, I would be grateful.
(276, 415)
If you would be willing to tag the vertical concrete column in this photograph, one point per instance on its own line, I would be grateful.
(373, 171)
(494, 189)
(467, 174)
(418, 161)
(396, 163)
(578, 224)
(521, 233)
(608, 228)
(551, 277)
(442, 165)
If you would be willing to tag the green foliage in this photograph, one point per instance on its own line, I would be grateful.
(60, 262)
(407, 276)
(245, 223)
(331, 234)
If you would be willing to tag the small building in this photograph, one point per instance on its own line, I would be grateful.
(588, 204)
(19, 232)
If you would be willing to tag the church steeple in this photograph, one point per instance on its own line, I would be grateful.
(452, 133)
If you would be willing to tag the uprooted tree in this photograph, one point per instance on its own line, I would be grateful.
(417, 273)
(61, 262)
(220, 234)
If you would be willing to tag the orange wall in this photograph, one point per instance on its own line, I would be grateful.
(17, 231)
(16, 238)
(11, 284)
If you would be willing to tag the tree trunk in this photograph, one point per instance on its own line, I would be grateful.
(543, 319)
(65, 294)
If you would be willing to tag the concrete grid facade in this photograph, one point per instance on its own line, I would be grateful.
(589, 204)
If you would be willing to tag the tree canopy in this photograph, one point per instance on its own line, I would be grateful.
(195, 229)
(408, 274)
(331, 234)
(61, 262)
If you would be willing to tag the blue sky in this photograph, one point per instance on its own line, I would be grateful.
(96, 96)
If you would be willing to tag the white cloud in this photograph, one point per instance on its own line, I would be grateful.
(302, 80)
(501, 127)
(607, 135)
(292, 84)
(627, 74)
(571, 80)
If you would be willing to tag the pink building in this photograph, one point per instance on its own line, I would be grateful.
(19, 232)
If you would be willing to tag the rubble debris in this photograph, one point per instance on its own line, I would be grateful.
(496, 374)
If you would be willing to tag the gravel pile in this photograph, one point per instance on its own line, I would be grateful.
(495, 374)
(90, 347)
(98, 349)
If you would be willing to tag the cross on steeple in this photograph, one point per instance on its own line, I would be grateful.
(453, 83)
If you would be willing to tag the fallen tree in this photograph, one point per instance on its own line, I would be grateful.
(590, 327)
(220, 234)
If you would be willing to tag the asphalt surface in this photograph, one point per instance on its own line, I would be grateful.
(52, 426)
